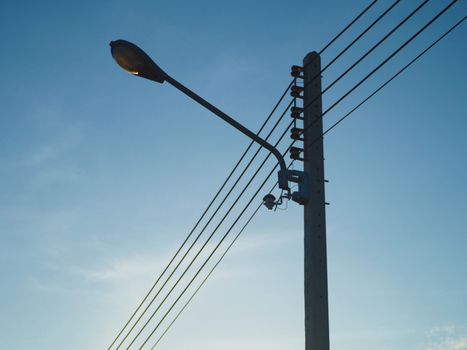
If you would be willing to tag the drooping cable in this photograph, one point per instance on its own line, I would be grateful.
(210, 237)
(391, 56)
(203, 229)
(228, 178)
(213, 251)
(374, 47)
(343, 51)
(213, 268)
(358, 84)
(323, 134)
(384, 62)
(234, 169)
(350, 91)
(367, 29)
(202, 215)
(415, 59)
(347, 26)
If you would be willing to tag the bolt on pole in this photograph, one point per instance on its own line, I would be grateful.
(316, 281)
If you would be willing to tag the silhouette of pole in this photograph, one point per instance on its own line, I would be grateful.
(316, 282)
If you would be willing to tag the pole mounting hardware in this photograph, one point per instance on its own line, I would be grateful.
(296, 90)
(296, 71)
(295, 112)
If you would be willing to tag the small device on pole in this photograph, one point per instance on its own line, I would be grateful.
(137, 62)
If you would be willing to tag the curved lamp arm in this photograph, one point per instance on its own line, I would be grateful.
(229, 120)
(135, 61)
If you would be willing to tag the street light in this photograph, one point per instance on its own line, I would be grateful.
(135, 61)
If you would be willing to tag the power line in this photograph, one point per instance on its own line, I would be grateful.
(329, 109)
(324, 133)
(394, 53)
(347, 26)
(214, 250)
(335, 104)
(214, 267)
(204, 228)
(374, 47)
(202, 215)
(229, 176)
(380, 17)
(364, 79)
(340, 54)
(395, 75)
(212, 234)
(206, 278)
(193, 258)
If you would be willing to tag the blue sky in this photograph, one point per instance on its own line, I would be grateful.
(103, 174)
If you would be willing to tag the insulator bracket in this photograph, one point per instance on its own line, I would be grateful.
(295, 71)
(295, 153)
(296, 133)
(295, 112)
(295, 91)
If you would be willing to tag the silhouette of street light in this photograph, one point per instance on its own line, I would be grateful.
(135, 61)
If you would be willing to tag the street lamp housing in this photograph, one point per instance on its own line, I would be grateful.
(135, 61)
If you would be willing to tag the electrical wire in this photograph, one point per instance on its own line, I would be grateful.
(347, 27)
(329, 109)
(214, 267)
(202, 215)
(235, 168)
(379, 18)
(340, 99)
(214, 250)
(366, 54)
(393, 77)
(317, 139)
(394, 53)
(204, 227)
(229, 176)
(212, 234)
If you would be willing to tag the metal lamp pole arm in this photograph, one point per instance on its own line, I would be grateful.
(283, 183)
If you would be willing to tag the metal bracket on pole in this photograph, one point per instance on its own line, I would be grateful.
(301, 179)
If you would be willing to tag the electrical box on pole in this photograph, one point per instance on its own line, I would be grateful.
(316, 282)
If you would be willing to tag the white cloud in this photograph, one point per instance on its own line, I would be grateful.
(448, 337)
(454, 343)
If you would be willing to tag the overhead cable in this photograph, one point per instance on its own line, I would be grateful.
(384, 62)
(203, 229)
(212, 252)
(202, 215)
(210, 237)
(387, 59)
(394, 76)
(382, 40)
(347, 26)
(230, 175)
(323, 134)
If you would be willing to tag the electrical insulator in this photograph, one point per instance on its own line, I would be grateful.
(296, 109)
(295, 112)
(295, 91)
(295, 134)
(295, 153)
(295, 71)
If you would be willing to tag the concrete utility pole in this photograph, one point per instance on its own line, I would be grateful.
(316, 280)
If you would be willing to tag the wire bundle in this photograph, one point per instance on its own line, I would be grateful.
(142, 317)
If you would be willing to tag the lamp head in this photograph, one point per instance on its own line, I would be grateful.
(135, 61)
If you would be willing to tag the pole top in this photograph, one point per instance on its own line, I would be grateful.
(310, 57)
